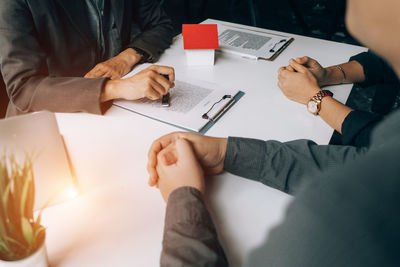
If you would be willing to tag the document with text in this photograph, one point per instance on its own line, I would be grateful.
(192, 106)
(250, 43)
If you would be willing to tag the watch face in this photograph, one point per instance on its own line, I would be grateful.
(312, 107)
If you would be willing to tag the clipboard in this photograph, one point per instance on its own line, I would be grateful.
(195, 106)
(219, 114)
(251, 44)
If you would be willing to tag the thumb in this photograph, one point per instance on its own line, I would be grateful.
(184, 150)
(302, 60)
(167, 156)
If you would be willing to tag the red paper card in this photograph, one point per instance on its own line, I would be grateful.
(200, 36)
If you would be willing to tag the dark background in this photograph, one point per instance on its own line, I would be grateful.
(316, 18)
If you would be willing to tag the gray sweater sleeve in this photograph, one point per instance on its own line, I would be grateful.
(190, 238)
(284, 166)
(348, 217)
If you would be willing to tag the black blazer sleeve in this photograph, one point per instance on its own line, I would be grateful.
(156, 28)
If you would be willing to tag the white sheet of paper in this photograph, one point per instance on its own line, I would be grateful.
(188, 102)
(247, 43)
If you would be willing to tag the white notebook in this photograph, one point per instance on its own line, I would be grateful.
(37, 134)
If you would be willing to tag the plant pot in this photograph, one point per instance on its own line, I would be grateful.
(37, 259)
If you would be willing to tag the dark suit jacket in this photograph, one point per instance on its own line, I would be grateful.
(47, 46)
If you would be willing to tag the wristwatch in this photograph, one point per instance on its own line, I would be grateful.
(144, 54)
(314, 105)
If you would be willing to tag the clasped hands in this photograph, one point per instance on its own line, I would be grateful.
(302, 79)
(150, 82)
(183, 159)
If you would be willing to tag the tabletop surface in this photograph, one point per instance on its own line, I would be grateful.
(118, 220)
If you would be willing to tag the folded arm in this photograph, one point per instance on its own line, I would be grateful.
(284, 166)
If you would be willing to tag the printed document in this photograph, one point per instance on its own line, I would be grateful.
(189, 101)
(249, 43)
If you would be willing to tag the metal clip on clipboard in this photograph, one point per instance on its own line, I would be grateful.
(219, 114)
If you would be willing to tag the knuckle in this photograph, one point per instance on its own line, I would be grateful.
(149, 81)
(152, 73)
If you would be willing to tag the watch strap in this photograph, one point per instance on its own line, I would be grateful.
(321, 94)
(144, 54)
(318, 98)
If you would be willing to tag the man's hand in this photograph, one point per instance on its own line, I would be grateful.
(209, 151)
(115, 67)
(149, 83)
(177, 166)
(312, 65)
(297, 82)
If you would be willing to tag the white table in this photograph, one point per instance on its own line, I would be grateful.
(118, 220)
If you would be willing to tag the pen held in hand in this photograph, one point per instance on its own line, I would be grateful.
(165, 101)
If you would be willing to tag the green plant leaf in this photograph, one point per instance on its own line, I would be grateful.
(24, 193)
(3, 230)
(38, 232)
(38, 220)
(16, 253)
(6, 196)
(15, 242)
(3, 219)
(20, 232)
(5, 190)
(13, 212)
(6, 193)
(31, 197)
(27, 231)
(4, 248)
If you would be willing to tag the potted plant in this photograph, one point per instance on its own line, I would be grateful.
(22, 237)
